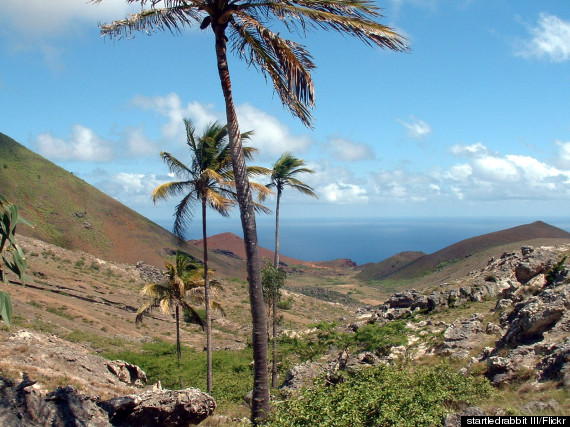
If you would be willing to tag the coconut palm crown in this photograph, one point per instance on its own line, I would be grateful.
(182, 287)
(244, 25)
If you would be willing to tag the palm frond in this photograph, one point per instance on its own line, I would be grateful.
(219, 203)
(353, 17)
(167, 189)
(287, 63)
(173, 17)
(194, 316)
(144, 309)
(176, 166)
(183, 214)
(258, 171)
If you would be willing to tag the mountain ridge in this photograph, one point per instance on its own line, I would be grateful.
(394, 268)
(73, 214)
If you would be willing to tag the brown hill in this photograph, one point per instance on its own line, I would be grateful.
(229, 244)
(458, 252)
(72, 214)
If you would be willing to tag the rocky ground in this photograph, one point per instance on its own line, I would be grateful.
(509, 321)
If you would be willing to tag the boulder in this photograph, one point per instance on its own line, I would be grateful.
(24, 405)
(460, 336)
(531, 319)
(402, 299)
(127, 373)
(166, 408)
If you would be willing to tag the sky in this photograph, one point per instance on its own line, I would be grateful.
(473, 121)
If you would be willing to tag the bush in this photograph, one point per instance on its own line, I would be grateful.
(380, 339)
(383, 396)
(285, 304)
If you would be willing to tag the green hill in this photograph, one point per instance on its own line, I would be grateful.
(73, 214)
(410, 265)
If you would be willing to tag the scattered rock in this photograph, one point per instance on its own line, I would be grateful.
(127, 372)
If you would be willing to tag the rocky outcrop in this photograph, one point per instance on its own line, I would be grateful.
(462, 336)
(149, 273)
(24, 404)
(536, 320)
(167, 408)
(127, 373)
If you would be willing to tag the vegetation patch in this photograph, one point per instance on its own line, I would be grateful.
(325, 294)
(383, 396)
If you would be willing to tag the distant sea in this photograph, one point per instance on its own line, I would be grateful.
(363, 240)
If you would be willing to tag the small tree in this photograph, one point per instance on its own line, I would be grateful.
(16, 260)
(273, 280)
(184, 283)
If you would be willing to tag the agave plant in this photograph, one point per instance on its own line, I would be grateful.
(12, 255)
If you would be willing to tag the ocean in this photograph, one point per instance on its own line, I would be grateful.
(362, 240)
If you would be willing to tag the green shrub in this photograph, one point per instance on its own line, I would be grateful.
(380, 339)
(382, 396)
(286, 304)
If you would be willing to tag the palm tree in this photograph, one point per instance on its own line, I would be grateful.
(283, 175)
(242, 24)
(208, 181)
(184, 279)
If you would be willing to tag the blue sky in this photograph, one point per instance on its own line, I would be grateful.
(473, 121)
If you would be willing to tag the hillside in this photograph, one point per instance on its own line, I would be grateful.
(230, 244)
(73, 214)
(396, 268)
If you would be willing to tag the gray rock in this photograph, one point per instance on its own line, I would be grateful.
(531, 319)
(127, 373)
(167, 408)
(23, 405)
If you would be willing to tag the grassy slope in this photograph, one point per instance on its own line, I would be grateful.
(72, 214)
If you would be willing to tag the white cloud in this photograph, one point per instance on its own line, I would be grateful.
(490, 176)
(132, 189)
(43, 26)
(270, 136)
(83, 145)
(564, 154)
(344, 193)
(416, 128)
(474, 150)
(138, 144)
(344, 150)
(482, 176)
(550, 39)
(171, 107)
(35, 18)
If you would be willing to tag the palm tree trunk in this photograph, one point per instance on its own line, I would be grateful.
(276, 259)
(260, 398)
(276, 265)
(178, 351)
(209, 374)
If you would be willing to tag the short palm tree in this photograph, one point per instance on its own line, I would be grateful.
(183, 283)
(243, 24)
(283, 175)
(208, 180)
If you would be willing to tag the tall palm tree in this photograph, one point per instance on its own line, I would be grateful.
(184, 279)
(283, 175)
(208, 180)
(242, 24)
